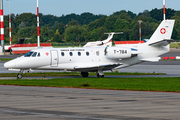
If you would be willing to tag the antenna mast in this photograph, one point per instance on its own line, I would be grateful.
(9, 24)
(164, 10)
(2, 26)
(38, 36)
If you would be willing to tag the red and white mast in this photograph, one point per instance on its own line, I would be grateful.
(2, 26)
(9, 24)
(140, 21)
(38, 35)
(164, 10)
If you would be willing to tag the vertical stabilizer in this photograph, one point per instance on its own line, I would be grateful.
(163, 32)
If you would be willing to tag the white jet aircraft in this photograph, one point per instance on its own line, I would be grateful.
(95, 59)
(107, 42)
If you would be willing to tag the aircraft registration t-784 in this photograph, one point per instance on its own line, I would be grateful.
(96, 59)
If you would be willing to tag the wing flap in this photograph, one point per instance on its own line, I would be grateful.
(96, 67)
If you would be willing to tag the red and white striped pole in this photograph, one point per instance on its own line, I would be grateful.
(9, 24)
(38, 35)
(164, 10)
(140, 21)
(2, 27)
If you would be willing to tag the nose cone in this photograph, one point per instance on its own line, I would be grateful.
(9, 65)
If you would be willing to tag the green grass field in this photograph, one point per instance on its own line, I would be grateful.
(138, 84)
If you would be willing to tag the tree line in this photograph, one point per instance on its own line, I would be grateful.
(87, 26)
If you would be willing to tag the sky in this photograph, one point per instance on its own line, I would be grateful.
(65, 7)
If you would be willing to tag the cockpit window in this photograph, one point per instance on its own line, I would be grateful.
(34, 54)
(39, 55)
(28, 54)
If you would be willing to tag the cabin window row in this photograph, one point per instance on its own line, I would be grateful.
(71, 53)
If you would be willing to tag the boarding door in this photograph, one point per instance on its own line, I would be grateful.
(54, 58)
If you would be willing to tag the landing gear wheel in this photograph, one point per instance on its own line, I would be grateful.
(85, 74)
(100, 76)
(19, 76)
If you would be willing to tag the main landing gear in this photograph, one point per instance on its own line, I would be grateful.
(85, 74)
(19, 75)
(99, 74)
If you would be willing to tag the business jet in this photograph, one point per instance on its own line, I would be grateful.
(107, 42)
(96, 59)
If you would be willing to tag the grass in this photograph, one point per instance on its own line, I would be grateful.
(48, 74)
(6, 59)
(174, 45)
(138, 84)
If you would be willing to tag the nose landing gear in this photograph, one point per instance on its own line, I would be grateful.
(19, 75)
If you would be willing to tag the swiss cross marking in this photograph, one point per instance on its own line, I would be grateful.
(163, 30)
(47, 53)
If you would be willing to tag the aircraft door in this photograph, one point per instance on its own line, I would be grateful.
(54, 58)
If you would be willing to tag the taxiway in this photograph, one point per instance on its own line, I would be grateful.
(44, 103)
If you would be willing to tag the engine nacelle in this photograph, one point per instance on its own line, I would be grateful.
(118, 52)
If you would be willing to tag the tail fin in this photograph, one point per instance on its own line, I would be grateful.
(162, 35)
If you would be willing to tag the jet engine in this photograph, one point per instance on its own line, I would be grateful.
(120, 52)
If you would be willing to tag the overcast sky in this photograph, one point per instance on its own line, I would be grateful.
(105, 7)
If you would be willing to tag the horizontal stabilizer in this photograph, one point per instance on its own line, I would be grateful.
(162, 42)
(151, 59)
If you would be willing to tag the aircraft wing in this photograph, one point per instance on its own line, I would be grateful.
(96, 67)
(164, 42)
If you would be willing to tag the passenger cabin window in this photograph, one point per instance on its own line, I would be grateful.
(62, 53)
(97, 53)
(34, 54)
(28, 54)
(79, 53)
(87, 53)
(71, 54)
(39, 55)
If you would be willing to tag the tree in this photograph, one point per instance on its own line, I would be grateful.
(27, 32)
(121, 24)
(73, 23)
(57, 37)
(145, 13)
(147, 31)
(61, 28)
(158, 13)
(75, 33)
(28, 19)
(96, 24)
(109, 23)
(22, 25)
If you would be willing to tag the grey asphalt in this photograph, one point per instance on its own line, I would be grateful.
(45, 103)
